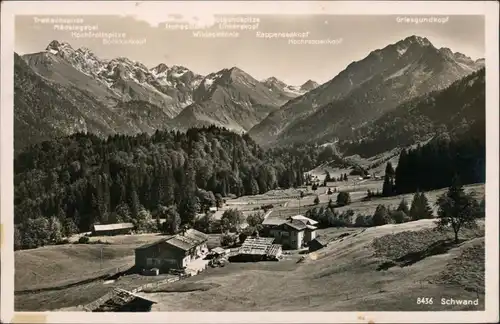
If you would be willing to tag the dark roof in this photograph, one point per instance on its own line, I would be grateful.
(296, 224)
(145, 246)
(322, 240)
(110, 227)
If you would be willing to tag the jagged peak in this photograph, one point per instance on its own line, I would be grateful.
(56, 46)
(85, 50)
(310, 82)
(423, 41)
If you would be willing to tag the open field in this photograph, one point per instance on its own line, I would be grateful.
(367, 207)
(54, 267)
(73, 297)
(58, 265)
(340, 277)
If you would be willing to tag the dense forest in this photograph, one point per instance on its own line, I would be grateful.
(435, 164)
(66, 185)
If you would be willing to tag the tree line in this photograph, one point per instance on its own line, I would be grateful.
(66, 185)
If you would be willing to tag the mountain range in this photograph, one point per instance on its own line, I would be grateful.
(364, 91)
(61, 90)
(124, 96)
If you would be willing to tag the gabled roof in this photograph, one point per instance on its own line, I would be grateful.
(273, 221)
(219, 250)
(322, 240)
(256, 245)
(304, 219)
(311, 227)
(296, 224)
(188, 240)
(110, 227)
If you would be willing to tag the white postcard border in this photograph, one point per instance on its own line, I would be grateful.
(487, 8)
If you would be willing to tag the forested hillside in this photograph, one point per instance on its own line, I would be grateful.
(66, 185)
(457, 109)
(434, 165)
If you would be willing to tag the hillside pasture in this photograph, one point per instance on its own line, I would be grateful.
(341, 277)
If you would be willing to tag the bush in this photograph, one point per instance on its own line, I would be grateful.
(381, 216)
(228, 239)
(84, 240)
(363, 221)
(242, 237)
(343, 199)
(255, 219)
(399, 216)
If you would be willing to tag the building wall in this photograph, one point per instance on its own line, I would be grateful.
(309, 236)
(166, 257)
(296, 239)
(120, 231)
(159, 255)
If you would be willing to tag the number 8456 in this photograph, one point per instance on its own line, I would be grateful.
(425, 301)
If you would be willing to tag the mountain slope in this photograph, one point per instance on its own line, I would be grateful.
(119, 79)
(456, 110)
(365, 90)
(44, 109)
(288, 92)
(230, 98)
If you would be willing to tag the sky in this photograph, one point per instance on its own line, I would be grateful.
(349, 38)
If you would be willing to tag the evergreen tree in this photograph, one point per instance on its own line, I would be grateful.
(420, 208)
(403, 207)
(343, 199)
(381, 216)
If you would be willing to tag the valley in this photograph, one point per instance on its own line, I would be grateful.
(154, 179)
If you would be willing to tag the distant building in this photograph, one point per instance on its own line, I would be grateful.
(212, 209)
(318, 243)
(293, 233)
(175, 252)
(112, 229)
(257, 249)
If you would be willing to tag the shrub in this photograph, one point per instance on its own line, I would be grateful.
(363, 221)
(343, 199)
(399, 216)
(84, 240)
(228, 239)
(381, 216)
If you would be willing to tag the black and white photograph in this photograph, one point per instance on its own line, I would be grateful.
(201, 160)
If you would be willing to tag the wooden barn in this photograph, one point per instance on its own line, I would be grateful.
(112, 229)
(257, 249)
(175, 252)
